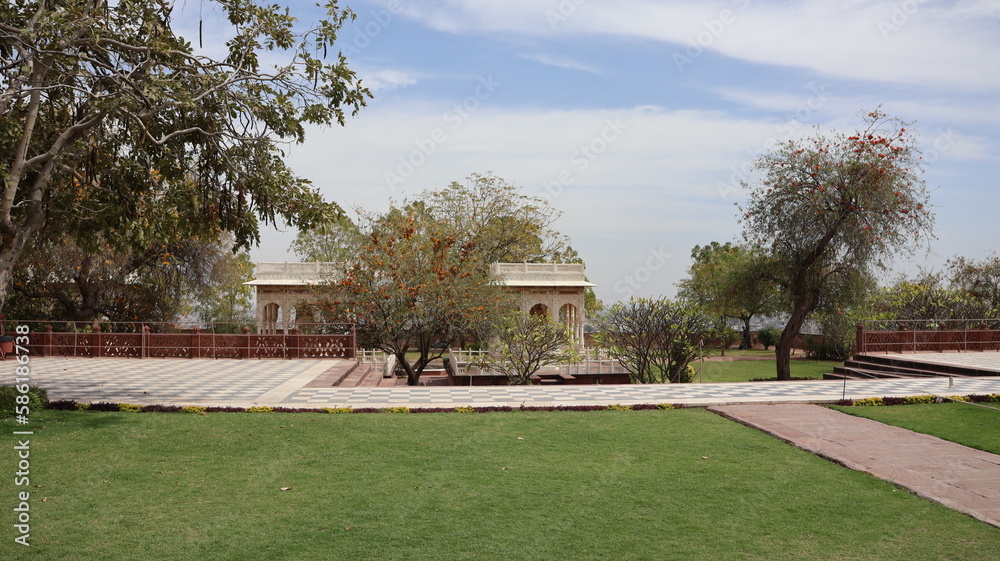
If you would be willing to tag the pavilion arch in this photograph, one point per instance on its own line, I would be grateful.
(270, 318)
(549, 289)
(281, 288)
(540, 309)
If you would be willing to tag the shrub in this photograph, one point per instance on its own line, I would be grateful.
(395, 410)
(618, 407)
(665, 406)
(129, 408)
(337, 410)
(958, 398)
(103, 406)
(827, 348)
(160, 408)
(10, 398)
(768, 336)
(259, 409)
(869, 401)
(916, 399)
(82, 406)
(62, 405)
(465, 409)
(192, 409)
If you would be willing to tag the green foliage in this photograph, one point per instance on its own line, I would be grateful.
(335, 241)
(965, 290)
(193, 409)
(223, 299)
(830, 209)
(394, 410)
(502, 224)
(259, 409)
(618, 407)
(523, 344)
(655, 339)
(129, 408)
(81, 406)
(768, 336)
(918, 399)
(869, 401)
(35, 399)
(105, 107)
(413, 285)
(465, 409)
(665, 406)
(731, 282)
(828, 347)
(338, 410)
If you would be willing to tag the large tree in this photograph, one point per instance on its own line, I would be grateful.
(831, 208)
(102, 102)
(415, 287)
(60, 279)
(335, 241)
(731, 282)
(503, 224)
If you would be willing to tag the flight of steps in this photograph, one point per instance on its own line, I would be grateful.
(900, 366)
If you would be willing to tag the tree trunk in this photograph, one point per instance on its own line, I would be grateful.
(783, 350)
(8, 258)
(725, 340)
(747, 340)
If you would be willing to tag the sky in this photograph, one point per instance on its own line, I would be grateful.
(638, 120)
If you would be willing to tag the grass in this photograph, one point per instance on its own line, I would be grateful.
(746, 370)
(681, 484)
(716, 351)
(969, 425)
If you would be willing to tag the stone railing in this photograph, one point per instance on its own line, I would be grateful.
(924, 335)
(156, 340)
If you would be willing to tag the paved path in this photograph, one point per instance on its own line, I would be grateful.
(284, 383)
(956, 476)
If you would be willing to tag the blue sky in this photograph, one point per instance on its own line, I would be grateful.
(637, 119)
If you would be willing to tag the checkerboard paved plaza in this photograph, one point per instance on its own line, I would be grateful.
(168, 381)
(282, 383)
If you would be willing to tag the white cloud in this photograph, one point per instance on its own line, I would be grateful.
(382, 81)
(945, 46)
(562, 62)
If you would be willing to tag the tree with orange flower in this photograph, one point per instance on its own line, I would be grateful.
(831, 209)
(414, 287)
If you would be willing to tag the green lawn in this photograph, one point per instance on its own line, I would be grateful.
(970, 425)
(681, 484)
(746, 370)
(715, 351)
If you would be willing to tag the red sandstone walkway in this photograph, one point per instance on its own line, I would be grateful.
(956, 476)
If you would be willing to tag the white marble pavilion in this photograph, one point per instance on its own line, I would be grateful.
(282, 287)
(552, 290)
